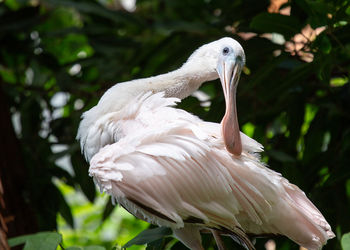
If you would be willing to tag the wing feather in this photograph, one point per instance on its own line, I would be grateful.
(165, 168)
(170, 168)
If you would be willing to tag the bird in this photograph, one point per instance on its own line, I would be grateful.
(170, 168)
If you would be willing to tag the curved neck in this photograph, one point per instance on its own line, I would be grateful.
(179, 83)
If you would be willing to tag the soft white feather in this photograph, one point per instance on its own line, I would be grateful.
(168, 167)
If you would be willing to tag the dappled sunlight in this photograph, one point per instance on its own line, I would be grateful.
(57, 58)
(116, 230)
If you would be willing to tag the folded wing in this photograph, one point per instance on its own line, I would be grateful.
(176, 170)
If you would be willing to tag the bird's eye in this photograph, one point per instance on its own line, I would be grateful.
(225, 51)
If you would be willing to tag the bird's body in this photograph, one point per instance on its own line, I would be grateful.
(172, 169)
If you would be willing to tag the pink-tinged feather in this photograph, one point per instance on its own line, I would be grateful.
(176, 167)
(168, 167)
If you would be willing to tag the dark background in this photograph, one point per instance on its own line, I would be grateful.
(293, 96)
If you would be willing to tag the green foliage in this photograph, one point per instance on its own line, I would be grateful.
(86, 248)
(91, 227)
(59, 56)
(345, 241)
(43, 240)
(271, 22)
(148, 236)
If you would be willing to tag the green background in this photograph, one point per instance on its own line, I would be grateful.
(57, 57)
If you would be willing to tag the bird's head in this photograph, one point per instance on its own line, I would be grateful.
(224, 59)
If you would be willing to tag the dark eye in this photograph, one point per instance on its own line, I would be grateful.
(225, 51)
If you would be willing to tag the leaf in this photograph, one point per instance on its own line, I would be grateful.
(42, 240)
(345, 241)
(148, 236)
(155, 245)
(271, 22)
(316, 10)
(81, 175)
(24, 18)
(108, 209)
(65, 210)
(62, 175)
(313, 140)
(97, 9)
(93, 247)
(173, 26)
(280, 156)
(325, 45)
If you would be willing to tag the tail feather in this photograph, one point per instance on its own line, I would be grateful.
(308, 228)
(242, 240)
(239, 236)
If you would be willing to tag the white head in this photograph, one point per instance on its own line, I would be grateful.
(225, 59)
(207, 56)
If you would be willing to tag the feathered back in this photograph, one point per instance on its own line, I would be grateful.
(169, 167)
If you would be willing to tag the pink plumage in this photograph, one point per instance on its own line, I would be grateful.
(172, 169)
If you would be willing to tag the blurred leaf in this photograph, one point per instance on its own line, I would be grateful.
(62, 174)
(271, 22)
(67, 48)
(65, 211)
(326, 45)
(149, 235)
(43, 240)
(155, 245)
(30, 117)
(314, 136)
(94, 248)
(109, 207)
(81, 175)
(339, 81)
(12, 23)
(95, 8)
(297, 109)
(316, 10)
(280, 156)
(345, 241)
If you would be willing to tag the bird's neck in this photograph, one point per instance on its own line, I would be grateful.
(179, 83)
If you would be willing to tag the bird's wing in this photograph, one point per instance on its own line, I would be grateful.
(171, 168)
(99, 128)
(178, 168)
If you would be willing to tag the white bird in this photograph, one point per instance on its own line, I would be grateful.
(172, 169)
